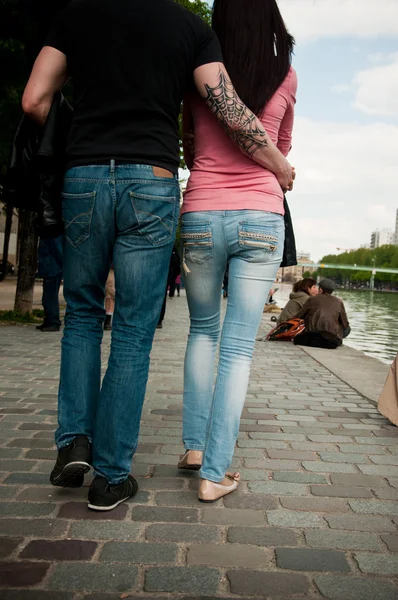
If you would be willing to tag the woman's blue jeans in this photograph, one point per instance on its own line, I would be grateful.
(126, 216)
(252, 242)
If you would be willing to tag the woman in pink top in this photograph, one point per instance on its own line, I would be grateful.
(232, 211)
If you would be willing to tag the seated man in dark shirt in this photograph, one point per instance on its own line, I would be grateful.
(326, 322)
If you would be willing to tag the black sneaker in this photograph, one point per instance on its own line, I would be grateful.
(103, 496)
(72, 463)
(48, 328)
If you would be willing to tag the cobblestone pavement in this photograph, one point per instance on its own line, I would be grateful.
(316, 515)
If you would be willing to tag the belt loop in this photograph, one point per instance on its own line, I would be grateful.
(112, 167)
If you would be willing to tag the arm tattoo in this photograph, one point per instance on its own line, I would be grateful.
(240, 123)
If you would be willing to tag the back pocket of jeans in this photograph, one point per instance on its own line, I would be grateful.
(197, 242)
(77, 213)
(156, 216)
(258, 242)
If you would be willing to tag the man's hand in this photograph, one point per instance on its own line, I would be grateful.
(48, 76)
(242, 126)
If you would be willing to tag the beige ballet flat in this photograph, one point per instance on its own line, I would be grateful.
(211, 492)
(191, 461)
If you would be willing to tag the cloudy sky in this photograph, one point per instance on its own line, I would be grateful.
(346, 132)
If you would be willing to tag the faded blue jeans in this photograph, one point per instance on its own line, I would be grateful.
(126, 216)
(252, 242)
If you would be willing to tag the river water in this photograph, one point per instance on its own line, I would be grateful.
(373, 319)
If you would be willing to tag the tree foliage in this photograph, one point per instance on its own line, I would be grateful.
(16, 34)
(198, 7)
(385, 256)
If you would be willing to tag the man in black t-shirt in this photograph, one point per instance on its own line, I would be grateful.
(131, 62)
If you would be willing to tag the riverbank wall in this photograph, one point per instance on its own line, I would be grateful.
(364, 374)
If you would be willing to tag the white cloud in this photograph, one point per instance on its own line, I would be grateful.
(345, 178)
(378, 212)
(377, 88)
(376, 58)
(314, 19)
(341, 88)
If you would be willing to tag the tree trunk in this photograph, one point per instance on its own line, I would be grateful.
(7, 234)
(27, 262)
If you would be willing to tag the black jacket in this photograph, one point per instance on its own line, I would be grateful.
(289, 253)
(35, 174)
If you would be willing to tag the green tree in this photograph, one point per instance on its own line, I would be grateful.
(16, 34)
(384, 256)
(198, 7)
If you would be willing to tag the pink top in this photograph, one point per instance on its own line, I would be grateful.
(222, 177)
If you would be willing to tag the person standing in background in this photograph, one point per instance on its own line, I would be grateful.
(174, 271)
(110, 293)
(178, 285)
(225, 281)
(50, 269)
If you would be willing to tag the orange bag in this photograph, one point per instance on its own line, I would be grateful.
(287, 331)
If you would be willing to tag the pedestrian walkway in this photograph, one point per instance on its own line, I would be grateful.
(316, 515)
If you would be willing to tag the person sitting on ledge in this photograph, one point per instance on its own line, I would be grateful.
(326, 322)
(303, 290)
(388, 401)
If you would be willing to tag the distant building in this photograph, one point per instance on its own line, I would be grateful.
(382, 237)
(293, 274)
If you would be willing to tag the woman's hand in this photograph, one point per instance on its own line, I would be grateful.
(291, 184)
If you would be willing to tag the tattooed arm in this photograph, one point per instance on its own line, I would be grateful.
(242, 126)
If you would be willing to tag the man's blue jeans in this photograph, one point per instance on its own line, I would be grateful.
(253, 242)
(125, 216)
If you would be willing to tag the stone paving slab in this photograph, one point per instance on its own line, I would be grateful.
(316, 515)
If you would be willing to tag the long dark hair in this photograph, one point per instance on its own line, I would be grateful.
(304, 285)
(256, 46)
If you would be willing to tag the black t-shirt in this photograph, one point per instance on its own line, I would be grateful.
(131, 62)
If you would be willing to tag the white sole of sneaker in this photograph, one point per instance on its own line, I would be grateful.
(105, 508)
(77, 463)
(69, 473)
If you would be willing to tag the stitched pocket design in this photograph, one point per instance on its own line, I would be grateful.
(197, 242)
(77, 213)
(258, 243)
(156, 216)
